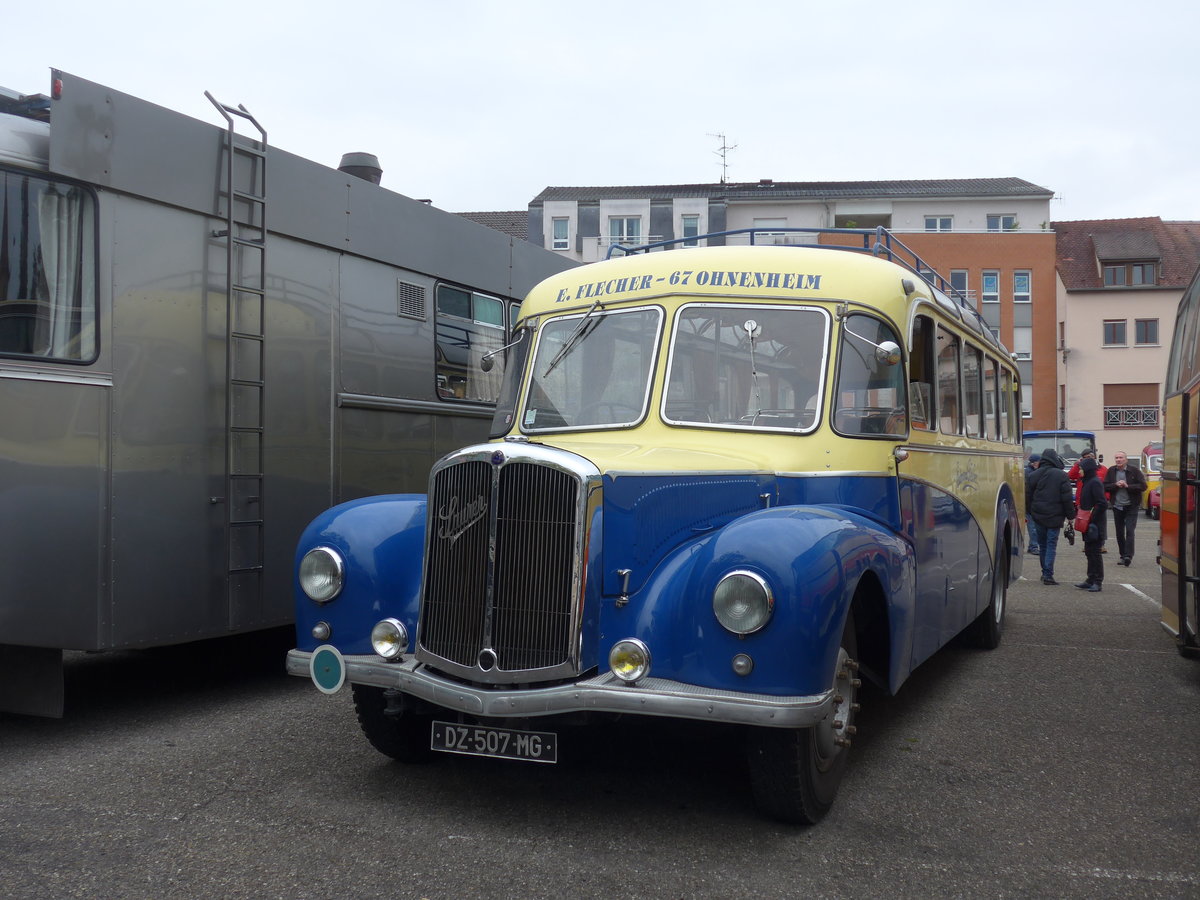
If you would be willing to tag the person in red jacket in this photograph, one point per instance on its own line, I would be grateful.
(1076, 473)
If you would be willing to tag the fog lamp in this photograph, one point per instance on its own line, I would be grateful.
(389, 639)
(743, 602)
(742, 664)
(322, 573)
(629, 660)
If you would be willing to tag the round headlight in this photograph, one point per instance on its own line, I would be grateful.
(743, 602)
(629, 660)
(389, 639)
(321, 574)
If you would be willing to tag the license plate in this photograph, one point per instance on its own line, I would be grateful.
(478, 740)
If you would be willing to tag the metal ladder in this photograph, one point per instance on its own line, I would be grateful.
(244, 193)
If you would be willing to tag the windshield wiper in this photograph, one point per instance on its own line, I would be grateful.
(570, 342)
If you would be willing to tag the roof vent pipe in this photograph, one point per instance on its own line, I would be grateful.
(361, 165)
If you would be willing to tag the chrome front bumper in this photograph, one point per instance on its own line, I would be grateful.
(603, 693)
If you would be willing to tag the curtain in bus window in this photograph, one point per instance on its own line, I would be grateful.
(47, 286)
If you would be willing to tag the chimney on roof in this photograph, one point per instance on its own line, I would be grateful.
(766, 182)
(362, 165)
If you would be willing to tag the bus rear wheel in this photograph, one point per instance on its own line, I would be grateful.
(392, 729)
(988, 628)
(795, 772)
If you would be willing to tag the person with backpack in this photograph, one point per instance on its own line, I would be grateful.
(1048, 503)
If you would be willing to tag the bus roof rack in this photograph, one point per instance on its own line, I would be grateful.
(876, 241)
(29, 106)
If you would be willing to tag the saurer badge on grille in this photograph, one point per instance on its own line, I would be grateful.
(455, 521)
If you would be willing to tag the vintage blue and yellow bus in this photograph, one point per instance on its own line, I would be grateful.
(724, 484)
(1179, 548)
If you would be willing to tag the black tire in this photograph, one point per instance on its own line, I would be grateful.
(988, 628)
(403, 735)
(795, 772)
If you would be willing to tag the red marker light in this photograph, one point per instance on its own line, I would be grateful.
(56, 89)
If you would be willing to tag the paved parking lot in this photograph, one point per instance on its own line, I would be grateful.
(1062, 764)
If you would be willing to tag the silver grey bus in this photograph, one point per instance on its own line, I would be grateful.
(204, 342)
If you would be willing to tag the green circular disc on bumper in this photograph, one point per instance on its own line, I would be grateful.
(327, 669)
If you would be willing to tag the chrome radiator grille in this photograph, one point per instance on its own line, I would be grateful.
(512, 612)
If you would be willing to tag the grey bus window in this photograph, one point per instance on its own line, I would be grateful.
(47, 270)
(972, 371)
(1008, 406)
(921, 368)
(949, 392)
(870, 391)
(469, 326)
(991, 409)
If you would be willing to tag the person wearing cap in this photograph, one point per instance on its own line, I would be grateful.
(1091, 498)
(1048, 502)
(1031, 467)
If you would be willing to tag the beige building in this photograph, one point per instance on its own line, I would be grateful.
(990, 236)
(1119, 284)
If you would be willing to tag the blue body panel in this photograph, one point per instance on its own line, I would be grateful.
(382, 540)
(919, 548)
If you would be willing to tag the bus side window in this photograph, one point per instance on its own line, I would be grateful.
(920, 376)
(972, 394)
(870, 391)
(949, 399)
(1008, 419)
(991, 406)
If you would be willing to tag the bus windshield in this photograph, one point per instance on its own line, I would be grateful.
(1067, 444)
(593, 370)
(746, 367)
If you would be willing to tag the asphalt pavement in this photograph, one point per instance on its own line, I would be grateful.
(1063, 764)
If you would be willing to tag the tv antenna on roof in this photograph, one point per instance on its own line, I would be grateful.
(723, 152)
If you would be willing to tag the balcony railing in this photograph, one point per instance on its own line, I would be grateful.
(1131, 417)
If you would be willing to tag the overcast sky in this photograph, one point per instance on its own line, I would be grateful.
(479, 105)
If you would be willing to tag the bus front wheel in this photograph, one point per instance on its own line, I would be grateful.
(795, 772)
(392, 730)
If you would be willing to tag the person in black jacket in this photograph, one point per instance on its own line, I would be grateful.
(1091, 497)
(1048, 503)
(1124, 484)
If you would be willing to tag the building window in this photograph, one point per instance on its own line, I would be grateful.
(625, 229)
(939, 223)
(690, 228)
(1114, 333)
(959, 282)
(1145, 331)
(562, 235)
(991, 286)
(1135, 274)
(1021, 282)
(1022, 347)
(1131, 405)
(1001, 223)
